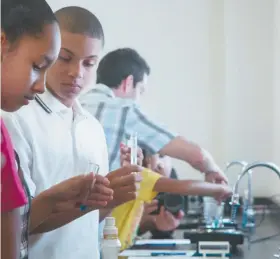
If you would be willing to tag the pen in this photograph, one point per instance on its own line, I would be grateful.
(167, 253)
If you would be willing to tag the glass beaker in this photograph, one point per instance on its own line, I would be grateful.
(213, 213)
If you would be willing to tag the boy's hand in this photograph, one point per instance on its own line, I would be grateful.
(166, 221)
(216, 177)
(125, 183)
(90, 190)
(223, 192)
(150, 207)
(99, 194)
(125, 155)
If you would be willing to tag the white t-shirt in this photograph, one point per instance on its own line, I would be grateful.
(55, 143)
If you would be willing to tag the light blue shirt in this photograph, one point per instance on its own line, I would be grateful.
(120, 118)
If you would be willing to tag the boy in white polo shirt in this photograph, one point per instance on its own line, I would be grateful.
(65, 140)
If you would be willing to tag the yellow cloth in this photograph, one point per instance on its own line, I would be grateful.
(128, 215)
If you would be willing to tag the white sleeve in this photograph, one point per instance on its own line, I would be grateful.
(21, 145)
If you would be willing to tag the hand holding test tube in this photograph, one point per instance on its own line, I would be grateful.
(132, 144)
(92, 168)
(130, 152)
(125, 181)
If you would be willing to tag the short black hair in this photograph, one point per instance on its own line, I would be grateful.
(79, 20)
(118, 65)
(25, 17)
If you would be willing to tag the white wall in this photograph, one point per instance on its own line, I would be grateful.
(215, 68)
(249, 84)
(276, 108)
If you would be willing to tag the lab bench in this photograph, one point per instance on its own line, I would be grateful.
(261, 250)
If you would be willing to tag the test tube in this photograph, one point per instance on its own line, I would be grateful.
(133, 144)
(92, 168)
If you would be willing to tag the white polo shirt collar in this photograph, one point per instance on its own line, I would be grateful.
(50, 104)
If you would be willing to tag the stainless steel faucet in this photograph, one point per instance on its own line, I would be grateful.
(247, 169)
(236, 162)
(251, 166)
(250, 224)
(243, 164)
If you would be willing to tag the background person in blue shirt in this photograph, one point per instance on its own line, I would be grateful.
(121, 79)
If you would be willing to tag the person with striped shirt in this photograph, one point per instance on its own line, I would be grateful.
(121, 79)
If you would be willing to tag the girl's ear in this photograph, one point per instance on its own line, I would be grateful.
(4, 45)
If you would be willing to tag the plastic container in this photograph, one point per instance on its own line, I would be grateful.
(110, 244)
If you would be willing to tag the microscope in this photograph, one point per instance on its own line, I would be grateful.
(220, 229)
